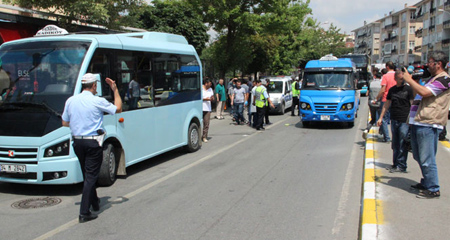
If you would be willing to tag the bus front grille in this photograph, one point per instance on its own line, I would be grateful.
(18, 155)
(326, 107)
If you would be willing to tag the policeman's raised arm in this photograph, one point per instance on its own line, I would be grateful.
(117, 99)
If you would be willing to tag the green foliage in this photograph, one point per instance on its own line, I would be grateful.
(109, 13)
(273, 37)
(176, 17)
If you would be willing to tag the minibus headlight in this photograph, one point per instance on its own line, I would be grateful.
(59, 149)
(347, 107)
(305, 106)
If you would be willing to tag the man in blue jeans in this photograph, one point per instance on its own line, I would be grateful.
(238, 100)
(387, 81)
(427, 117)
(399, 101)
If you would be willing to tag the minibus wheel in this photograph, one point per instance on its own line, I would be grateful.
(108, 170)
(193, 143)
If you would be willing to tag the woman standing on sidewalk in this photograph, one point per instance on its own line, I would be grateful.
(399, 99)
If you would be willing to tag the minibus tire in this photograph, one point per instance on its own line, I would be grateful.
(194, 136)
(108, 170)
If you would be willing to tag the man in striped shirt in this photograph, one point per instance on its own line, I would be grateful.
(427, 118)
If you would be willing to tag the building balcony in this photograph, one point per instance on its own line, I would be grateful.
(446, 24)
(419, 32)
(418, 49)
(432, 28)
(445, 42)
(394, 24)
(447, 5)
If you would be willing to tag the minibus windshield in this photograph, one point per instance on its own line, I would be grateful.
(328, 80)
(40, 74)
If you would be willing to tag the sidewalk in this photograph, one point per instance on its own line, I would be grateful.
(390, 208)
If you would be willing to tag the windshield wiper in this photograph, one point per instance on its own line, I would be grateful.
(42, 105)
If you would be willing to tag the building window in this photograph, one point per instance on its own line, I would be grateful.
(403, 16)
(403, 31)
(412, 44)
(402, 45)
(412, 30)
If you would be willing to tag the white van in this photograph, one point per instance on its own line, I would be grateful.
(280, 92)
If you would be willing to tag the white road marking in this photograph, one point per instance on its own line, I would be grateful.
(341, 213)
(156, 182)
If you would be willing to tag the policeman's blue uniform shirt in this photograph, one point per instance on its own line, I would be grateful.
(85, 113)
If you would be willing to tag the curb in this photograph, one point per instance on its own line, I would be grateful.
(371, 207)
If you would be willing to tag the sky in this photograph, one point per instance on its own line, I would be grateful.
(350, 14)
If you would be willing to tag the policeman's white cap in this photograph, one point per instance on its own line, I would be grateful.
(89, 78)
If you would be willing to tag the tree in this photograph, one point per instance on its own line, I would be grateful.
(109, 13)
(234, 21)
(176, 17)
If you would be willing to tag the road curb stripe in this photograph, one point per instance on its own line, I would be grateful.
(445, 143)
(371, 209)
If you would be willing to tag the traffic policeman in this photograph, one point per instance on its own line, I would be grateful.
(83, 113)
(260, 97)
(295, 94)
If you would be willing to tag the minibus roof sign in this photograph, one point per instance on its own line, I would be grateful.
(51, 30)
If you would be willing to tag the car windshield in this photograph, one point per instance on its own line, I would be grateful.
(275, 87)
(40, 73)
(328, 80)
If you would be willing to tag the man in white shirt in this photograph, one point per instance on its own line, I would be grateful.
(208, 96)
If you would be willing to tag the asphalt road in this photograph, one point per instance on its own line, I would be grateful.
(287, 182)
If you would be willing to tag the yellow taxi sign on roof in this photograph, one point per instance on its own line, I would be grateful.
(52, 30)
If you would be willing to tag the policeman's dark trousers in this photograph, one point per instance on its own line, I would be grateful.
(90, 155)
(260, 117)
(295, 102)
(266, 114)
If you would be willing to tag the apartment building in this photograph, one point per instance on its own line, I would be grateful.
(367, 40)
(435, 34)
(399, 43)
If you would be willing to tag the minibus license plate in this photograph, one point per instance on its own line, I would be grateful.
(13, 168)
(325, 117)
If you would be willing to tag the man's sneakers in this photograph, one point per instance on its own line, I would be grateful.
(418, 186)
(364, 134)
(425, 194)
(205, 140)
(397, 170)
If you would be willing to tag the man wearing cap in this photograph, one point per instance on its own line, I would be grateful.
(83, 113)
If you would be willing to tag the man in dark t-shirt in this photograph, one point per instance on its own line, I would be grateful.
(399, 99)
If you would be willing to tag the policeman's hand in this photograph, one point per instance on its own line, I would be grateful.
(273, 106)
(111, 84)
(379, 122)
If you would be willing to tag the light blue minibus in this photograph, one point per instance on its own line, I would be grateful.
(44, 71)
(329, 92)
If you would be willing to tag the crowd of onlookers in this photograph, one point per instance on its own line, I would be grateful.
(248, 102)
(415, 102)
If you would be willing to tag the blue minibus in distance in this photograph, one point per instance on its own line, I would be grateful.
(329, 92)
(44, 71)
